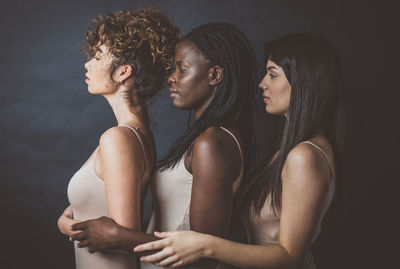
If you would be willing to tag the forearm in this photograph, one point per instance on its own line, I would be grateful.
(246, 256)
(127, 239)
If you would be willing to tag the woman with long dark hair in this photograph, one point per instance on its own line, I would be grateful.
(284, 201)
(195, 185)
(129, 59)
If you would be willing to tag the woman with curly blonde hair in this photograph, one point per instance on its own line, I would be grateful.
(130, 55)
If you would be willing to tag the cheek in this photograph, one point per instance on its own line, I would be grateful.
(102, 80)
(280, 99)
(284, 98)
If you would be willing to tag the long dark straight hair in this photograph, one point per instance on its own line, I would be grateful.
(312, 67)
(224, 45)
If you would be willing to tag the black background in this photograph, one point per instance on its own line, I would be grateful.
(49, 123)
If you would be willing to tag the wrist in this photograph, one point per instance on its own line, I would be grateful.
(208, 246)
(115, 234)
(123, 239)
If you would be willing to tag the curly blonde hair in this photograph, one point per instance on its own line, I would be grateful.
(143, 38)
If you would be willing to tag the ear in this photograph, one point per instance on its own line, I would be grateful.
(216, 74)
(123, 73)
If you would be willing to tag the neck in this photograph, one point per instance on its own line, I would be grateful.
(124, 112)
(199, 111)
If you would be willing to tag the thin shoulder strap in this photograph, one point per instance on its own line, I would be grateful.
(135, 130)
(237, 142)
(323, 152)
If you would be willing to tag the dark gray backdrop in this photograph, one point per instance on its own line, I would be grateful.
(49, 123)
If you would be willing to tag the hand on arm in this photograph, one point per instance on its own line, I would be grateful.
(105, 234)
(305, 186)
(188, 245)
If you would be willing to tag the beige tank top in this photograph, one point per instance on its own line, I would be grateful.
(171, 192)
(264, 229)
(87, 196)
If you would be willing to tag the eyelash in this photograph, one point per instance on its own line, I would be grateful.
(272, 76)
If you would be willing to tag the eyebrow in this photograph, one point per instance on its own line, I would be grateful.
(272, 68)
(182, 62)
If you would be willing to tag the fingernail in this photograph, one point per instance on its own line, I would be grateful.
(135, 249)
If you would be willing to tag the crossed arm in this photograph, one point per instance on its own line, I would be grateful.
(305, 187)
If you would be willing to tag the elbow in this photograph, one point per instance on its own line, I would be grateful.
(289, 260)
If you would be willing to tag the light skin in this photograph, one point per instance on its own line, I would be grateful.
(215, 161)
(120, 161)
(276, 90)
(306, 182)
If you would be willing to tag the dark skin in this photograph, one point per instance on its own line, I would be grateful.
(214, 161)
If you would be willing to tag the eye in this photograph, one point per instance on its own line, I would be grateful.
(97, 56)
(272, 76)
(182, 69)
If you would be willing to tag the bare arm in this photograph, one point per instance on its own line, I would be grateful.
(105, 234)
(121, 166)
(305, 186)
(216, 164)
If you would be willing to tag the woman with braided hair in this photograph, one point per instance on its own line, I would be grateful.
(196, 182)
(129, 59)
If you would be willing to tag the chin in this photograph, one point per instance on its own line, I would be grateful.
(271, 111)
(93, 91)
(178, 104)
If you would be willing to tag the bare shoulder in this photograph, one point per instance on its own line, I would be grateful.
(119, 139)
(118, 134)
(213, 138)
(306, 164)
(216, 150)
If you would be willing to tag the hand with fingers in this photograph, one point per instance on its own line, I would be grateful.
(96, 234)
(176, 248)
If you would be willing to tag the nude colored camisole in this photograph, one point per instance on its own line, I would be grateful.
(171, 192)
(264, 229)
(86, 194)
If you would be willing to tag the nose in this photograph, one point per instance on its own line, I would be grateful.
(87, 64)
(263, 84)
(172, 78)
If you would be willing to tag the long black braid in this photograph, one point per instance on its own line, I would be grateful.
(224, 45)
